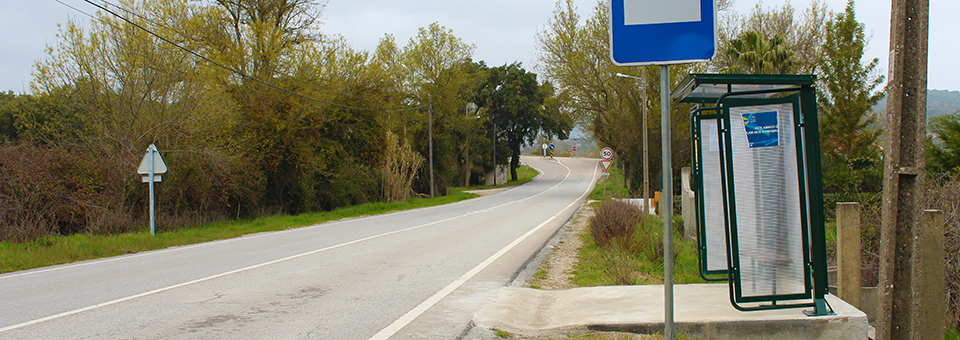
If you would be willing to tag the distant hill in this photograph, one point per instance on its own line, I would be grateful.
(939, 102)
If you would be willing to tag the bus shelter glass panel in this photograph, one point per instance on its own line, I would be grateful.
(768, 249)
(713, 242)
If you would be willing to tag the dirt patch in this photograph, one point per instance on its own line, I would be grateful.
(557, 269)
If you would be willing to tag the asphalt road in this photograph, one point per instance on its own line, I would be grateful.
(414, 274)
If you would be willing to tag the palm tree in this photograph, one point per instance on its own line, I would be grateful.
(753, 54)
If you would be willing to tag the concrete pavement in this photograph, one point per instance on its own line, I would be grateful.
(700, 309)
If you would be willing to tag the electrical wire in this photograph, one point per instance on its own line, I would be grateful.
(190, 37)
(237, 72)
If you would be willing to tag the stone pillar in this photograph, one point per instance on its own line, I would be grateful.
(688, 206)
(929, 281)
(848, 252)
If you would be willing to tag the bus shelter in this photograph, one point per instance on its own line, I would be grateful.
(756, 160)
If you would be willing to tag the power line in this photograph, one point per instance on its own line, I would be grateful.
(237, 72)
(191, 37)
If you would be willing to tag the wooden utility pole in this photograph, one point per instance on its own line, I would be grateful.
(904, 167)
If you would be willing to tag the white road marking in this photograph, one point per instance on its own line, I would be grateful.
(208, 278)
(404, 320)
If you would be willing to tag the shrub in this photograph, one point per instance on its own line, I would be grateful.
(614, 223)
(51, 191)
(943, 193)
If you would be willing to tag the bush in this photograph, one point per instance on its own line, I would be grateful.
(943, 193)
(202, 187)
(614, 223)
(51, 191)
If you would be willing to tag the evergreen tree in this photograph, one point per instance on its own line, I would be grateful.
(945, 155)
(848, 138)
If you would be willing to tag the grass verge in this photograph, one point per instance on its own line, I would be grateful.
(614, 185)
(53, 250)
(640, 262)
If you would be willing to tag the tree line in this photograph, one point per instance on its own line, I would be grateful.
(777, 40)
(256, 111)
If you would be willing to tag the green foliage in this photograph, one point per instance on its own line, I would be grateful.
(945, 155)
(8, 112)
(575, 59)
(754, 54)
(614, 186)
(284, 118)
(52, 250)
(437, 71)
(848, 139)
(514, 101)
(639, 260)
(801, 33)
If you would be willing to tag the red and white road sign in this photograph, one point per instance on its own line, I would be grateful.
(574, 148)
(606, 163)
(606, 153)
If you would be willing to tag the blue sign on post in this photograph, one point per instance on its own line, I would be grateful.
(551, 146)
(660, 32)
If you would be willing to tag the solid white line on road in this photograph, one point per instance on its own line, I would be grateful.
(208, 278)
(241, 238)
(404, 320)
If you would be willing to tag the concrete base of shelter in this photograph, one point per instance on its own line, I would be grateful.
(701, 310)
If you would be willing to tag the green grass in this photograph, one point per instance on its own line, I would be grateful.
(952, 334)
(614, 184)
(55, 250)
(639, 263)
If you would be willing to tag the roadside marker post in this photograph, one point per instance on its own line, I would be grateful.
(151, 167)
(607, 155)
(663, 32)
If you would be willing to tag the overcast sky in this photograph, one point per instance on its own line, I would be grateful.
(504, 31)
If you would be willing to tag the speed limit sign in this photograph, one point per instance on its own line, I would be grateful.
(606, 153)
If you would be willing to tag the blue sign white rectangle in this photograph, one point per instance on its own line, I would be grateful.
(660, 32)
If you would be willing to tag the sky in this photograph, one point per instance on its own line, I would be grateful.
(504, 31)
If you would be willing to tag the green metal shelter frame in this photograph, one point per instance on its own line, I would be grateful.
(780, 268)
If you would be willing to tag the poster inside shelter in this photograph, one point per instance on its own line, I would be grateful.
(762, 128)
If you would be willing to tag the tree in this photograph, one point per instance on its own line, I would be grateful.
(439, 73)
(255, 36)
(515, 104)
(945, 155)
(848, 138)
(753, 54)
(803, 34)
(575, 58)
(8, 112)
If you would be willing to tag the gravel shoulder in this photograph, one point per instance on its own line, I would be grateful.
(552, 269)
(556, 269)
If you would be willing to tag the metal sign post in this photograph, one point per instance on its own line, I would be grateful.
(151, 167)
(607, 155)
(646, 32)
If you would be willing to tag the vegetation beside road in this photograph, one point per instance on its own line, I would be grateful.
(53, 250)
(631, 255)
